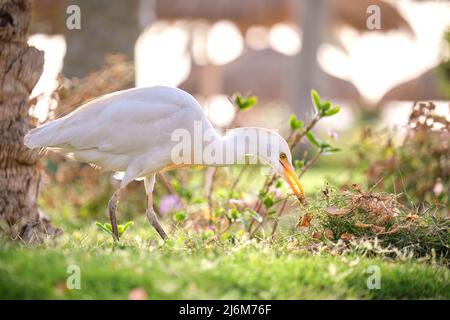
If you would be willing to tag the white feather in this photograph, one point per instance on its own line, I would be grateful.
(122, 129)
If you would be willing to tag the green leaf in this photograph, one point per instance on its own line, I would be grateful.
(102, 227)
(299, 163)
(278, 183)
(198, 200)
(255, 215)
(185, 193)
(244, 103)
(261, 194)
(180, 216)
(268, 201)
(294, 123)
(332, 111)
(208, 234)
(219, 212)
(271, 213)
(122, 228)
(328, 149)
(250, 102)
(326, 105)
(234, 214)
(316, 100)
(312, 139)
(176, 185)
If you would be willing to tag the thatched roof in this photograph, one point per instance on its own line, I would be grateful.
(268, 12)
(243, 13)
(424, 87)
(354, 13)
(251, 72)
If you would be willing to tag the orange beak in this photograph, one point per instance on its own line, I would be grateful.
(291, 178)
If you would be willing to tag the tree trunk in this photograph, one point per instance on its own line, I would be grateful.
(20, 69)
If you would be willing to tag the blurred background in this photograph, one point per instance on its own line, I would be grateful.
(275, 49)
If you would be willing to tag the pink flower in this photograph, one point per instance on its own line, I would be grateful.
(137, 294)
(237, 202)
(277, 192)
(169, 203)
(438, 187)
(333, 134)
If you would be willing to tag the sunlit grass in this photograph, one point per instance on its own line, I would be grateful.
(190, 267)
(195, 265)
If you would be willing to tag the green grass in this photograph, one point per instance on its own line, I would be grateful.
(316, 177)
(190, 267)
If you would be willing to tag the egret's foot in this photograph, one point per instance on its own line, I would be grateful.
(155, 223)
(112, 206)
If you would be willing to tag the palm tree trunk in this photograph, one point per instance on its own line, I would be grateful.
(20, 69)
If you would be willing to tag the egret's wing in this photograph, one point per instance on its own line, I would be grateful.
(128, 122)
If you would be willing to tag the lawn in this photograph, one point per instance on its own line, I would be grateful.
(195, 265)
(192, 267)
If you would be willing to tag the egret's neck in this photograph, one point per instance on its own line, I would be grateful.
(238, 146)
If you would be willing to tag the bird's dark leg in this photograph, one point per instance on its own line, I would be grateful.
(151, 215)
(112, 206)
(155, 223)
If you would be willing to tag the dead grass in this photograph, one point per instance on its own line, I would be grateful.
(376, 223)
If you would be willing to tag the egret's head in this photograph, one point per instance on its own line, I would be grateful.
(281, 161)
(271, 148)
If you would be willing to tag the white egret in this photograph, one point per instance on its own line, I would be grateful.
(132, 131)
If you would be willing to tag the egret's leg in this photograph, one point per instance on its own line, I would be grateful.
(149, 183)
(112, 206)
(129, 176)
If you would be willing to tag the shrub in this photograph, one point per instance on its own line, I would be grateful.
(420, 166)
(354, 216)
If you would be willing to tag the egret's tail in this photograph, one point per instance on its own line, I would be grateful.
(42, 136)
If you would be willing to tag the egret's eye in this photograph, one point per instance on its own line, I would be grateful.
(282, 156)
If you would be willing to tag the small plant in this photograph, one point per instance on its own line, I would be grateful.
(323, 147)
(106, 227)
(243, 102)
(354, 216)
(265, 203)
(325, 109)
(418, 167)
(294, 123)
